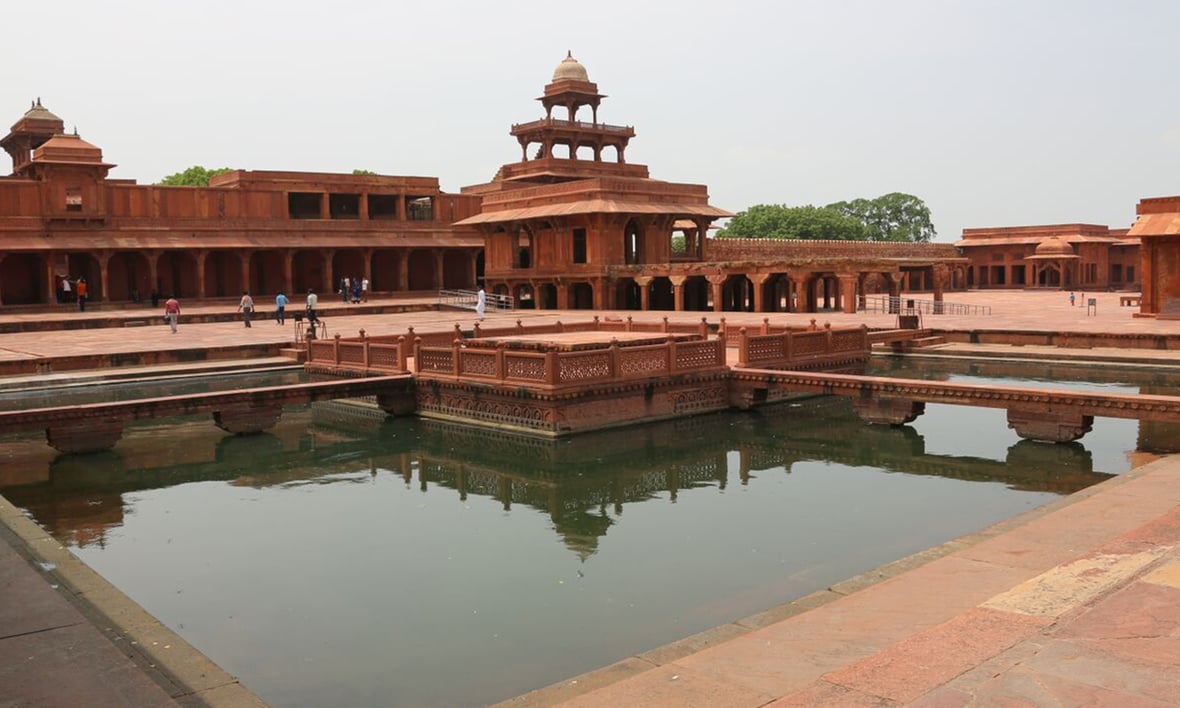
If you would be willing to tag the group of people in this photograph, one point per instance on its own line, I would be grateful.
(359, 291)
(68, 291)
(355, 290)
(246, 307)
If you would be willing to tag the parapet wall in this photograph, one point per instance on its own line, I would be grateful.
(748, 249)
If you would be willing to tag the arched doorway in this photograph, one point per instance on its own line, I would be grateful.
(223, 274)
(627, 295)
(384, 270)
(457, 270)
(697, 294)
(129, 276)
(267, 273)
(23, 279)
(176, 274)
(524, 297)
(547, 297)
(737, 294)
(632, 243)
(349, 263)
(308, 271)
(421, 267)
(661, 295)
(85, 266)
(581, 296)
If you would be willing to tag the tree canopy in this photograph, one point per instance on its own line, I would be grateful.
(890, 217)
(782, 221)
(195, 176)
(363, 172)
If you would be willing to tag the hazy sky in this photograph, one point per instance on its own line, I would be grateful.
(995, 112)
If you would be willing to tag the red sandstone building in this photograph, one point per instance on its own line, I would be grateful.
(571, 226)
(1158, 227)
(1061, 256)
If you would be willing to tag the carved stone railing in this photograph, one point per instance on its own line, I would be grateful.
(390, 353)
(791, 349)
(552, 366)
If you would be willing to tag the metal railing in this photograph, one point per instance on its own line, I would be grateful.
(913, 306)
(466, 300)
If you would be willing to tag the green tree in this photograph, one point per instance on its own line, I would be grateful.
(363, 172)
(782, 221)
(890, 217)
(195, 176)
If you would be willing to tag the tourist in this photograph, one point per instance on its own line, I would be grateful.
(280, 308)
(1071, 299)
(246, 306)
(481, 302)
(312, 301)
(344, 288)
(364, 290)
(172, 311)
(356, 291)
(65, 289)
(81, 294)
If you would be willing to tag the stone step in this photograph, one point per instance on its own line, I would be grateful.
(930, 341)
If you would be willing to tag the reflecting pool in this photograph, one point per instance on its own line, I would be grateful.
(352, 561)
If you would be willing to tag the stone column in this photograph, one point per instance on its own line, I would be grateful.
(758, 280)
(288, 271)
(400, 207)
(941, 276)
(644, 283)
(154, 272)
(52, 275)
(563, 294)
(677, 292)
(438, 269)
(201, 256)
(104, 260)
(244, 261)
(848, 292)
(403, 269)
(716, 282)
(325, 208)
(363, 207)
(801, 280)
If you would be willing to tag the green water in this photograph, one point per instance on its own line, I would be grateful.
(349, 561)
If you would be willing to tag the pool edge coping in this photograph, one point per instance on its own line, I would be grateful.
(183, 671)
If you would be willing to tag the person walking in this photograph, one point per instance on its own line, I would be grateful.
(1071, 299)
(344, 289)
(172, 312)
(356, 291)
(281, 308)
(246, 306)
(481, 302)
(66, 294)
(364, 290)
(312, 301)
(82, 290)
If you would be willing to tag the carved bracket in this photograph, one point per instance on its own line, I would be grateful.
(888, 411)
(247, 418)
(1049, 426)
(89, 435)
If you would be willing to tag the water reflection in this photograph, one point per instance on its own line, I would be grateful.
(349, 559)
(580, 482)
